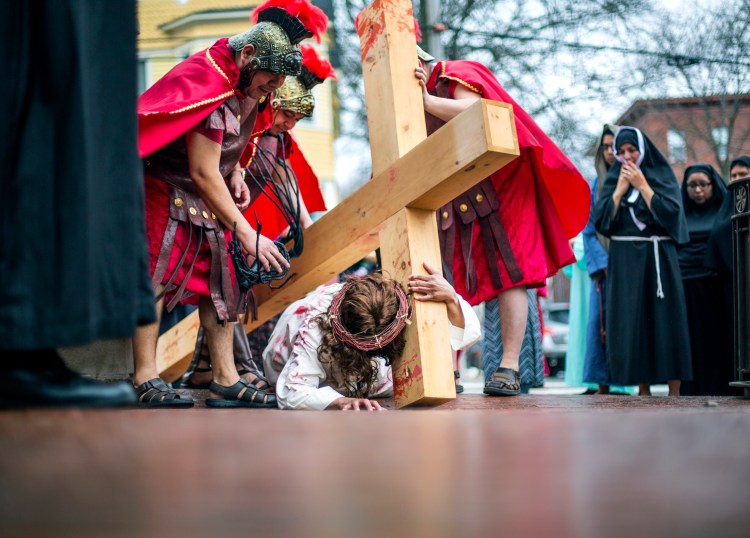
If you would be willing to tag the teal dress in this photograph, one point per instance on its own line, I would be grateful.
(580, 288)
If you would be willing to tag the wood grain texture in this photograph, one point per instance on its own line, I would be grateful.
(395, 114)
(424, 373)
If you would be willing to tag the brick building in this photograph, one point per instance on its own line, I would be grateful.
(713, 129)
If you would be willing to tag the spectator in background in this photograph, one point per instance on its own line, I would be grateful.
(739, 168)
(719, 249)
(640, 210)
(709, 316)
(596, 248)
(580, 290)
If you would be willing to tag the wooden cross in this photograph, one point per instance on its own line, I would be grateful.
(413, 176)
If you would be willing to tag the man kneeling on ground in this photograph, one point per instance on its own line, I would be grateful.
(333, 349)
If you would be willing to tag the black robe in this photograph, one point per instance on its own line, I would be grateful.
(647, 335)
(709, 307)
(719, 250)
(72, 255)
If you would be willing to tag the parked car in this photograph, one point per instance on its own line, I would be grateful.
(555, 335)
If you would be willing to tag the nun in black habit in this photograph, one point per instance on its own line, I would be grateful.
(709, 313)
(719, 250)
(640, 210)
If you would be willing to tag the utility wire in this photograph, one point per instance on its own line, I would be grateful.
(680, 60)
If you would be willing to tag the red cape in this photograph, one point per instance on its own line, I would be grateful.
(544, 199)
(309, 186)
(189, 92)
(569, 192)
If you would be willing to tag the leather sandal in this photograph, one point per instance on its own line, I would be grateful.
(241, 394)
(256, 380)
(156, 393)
(188, 383)
(504, 382)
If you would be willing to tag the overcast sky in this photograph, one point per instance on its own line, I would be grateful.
(353, 155)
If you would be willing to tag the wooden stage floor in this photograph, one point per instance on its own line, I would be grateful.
(579, 466)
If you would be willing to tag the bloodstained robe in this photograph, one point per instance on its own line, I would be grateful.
(188, 253)
(543, 199)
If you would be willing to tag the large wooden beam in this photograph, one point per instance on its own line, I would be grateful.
(395, 114)
(309, 276)
(459, 155)
(424, 372)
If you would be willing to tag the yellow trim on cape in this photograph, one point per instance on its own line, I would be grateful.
(462, 82)
(216, 66)
(225, 95)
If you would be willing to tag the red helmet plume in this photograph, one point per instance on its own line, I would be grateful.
(320, 67)
(312, 17)
(417, 31)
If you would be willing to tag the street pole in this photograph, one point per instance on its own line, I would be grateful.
(430, 19)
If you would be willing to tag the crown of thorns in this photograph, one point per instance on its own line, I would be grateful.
(368, 342)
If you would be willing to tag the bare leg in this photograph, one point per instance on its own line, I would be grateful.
(674, 387)
(644, 389)
(514, 311)
(144, 349)
(219, 339)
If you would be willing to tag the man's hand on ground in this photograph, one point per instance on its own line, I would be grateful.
(355, 404)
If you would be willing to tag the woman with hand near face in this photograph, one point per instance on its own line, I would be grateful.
(640, 210)
(709, 315)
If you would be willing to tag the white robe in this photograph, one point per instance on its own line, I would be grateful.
(291, 356)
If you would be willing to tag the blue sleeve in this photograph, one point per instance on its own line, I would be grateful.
(593, 251)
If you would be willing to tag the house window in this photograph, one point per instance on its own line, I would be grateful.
(676, 143)
(142, 76)
(721, 137)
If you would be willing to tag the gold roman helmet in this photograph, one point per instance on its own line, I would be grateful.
(295, 94)
(281, 25)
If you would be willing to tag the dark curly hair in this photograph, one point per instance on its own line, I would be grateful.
(367, 308)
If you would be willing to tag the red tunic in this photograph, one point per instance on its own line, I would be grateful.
(185, 99)
(157, 218)
(544, 200)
